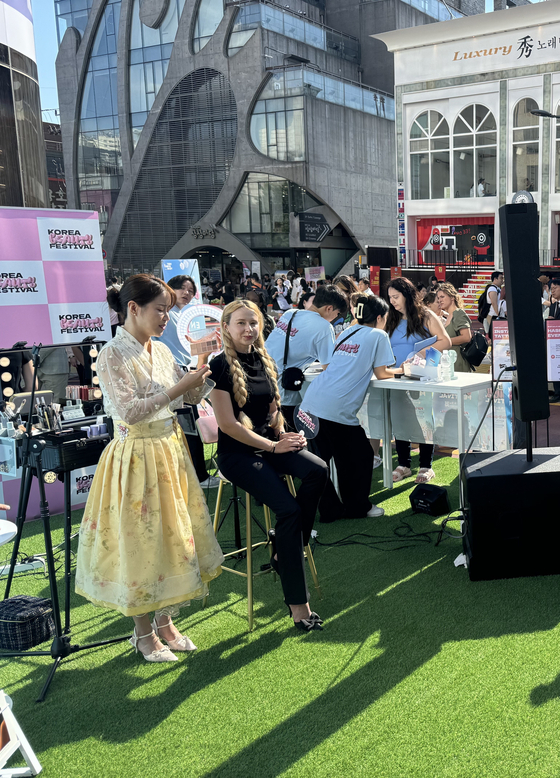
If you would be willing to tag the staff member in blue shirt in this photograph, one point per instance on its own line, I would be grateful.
(336, 396)
(185, 289)
(311, 339)
(410, 322)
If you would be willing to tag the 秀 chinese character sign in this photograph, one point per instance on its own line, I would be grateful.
(52, 279)
(483, 53)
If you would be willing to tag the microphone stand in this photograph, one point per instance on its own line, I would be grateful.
(31, 460)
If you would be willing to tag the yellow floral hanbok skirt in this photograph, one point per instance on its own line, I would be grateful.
(146, 538)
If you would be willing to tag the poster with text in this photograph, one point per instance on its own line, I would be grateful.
(501, 355)
(51, 272)
(553, 350)
(314, 274)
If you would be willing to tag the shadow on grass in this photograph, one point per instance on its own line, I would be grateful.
(414, 618)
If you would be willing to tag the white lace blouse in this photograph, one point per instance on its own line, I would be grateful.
(133, 381)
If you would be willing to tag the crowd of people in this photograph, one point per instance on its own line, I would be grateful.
(146, 539)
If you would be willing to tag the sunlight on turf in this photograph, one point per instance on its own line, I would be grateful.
(409, 577)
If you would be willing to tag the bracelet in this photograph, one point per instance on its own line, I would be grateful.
(168, 398)
(273, 449)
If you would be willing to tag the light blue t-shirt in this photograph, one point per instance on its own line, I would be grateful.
(311, 338)
(338, 393)
(402, 344)
(180, 352)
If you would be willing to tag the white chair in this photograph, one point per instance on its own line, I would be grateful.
(12, 740)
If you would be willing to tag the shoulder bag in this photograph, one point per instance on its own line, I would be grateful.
(292, 377)
(475, 350)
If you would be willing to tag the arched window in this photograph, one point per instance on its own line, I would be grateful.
(429, 157)
(474, 153)
(209, 15)
(525, 146)
(277, 124)
(100, 171)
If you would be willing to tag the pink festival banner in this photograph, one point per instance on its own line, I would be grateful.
(52, 277)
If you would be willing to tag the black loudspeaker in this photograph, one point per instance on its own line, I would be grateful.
(430, 499)
(519, 230)
(511, 513)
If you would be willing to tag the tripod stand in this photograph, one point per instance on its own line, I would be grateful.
(32, 464)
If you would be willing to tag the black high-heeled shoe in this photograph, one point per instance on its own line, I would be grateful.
(313, 617)
(306, 625)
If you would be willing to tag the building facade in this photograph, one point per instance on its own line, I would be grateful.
(23, 175)
(208, 128)
(235, 131)
(466, 137)
(55, 165)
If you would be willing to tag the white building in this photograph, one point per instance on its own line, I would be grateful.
(466, 138)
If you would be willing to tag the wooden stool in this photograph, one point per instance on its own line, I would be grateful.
(249, 548)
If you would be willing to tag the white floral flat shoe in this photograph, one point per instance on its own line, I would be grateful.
(182, 643)
(160, 655)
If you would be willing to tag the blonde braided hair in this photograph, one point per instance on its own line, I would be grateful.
(240, 392)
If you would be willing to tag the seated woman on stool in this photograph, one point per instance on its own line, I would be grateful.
(253, 449)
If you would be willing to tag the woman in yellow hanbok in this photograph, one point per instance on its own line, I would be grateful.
(146, 539)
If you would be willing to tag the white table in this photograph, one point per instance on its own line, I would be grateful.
(463, 384)
(390, 407)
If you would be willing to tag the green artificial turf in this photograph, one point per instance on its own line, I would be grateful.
(418, 672)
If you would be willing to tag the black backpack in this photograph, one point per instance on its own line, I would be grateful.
(483, 304)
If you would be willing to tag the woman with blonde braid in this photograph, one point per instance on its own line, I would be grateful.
(253, 449)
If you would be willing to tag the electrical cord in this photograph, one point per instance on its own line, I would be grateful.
(461, 509)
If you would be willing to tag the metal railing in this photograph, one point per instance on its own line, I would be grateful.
(427, 258)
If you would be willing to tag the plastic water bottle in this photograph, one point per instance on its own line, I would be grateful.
(445, 365)
(453, 358)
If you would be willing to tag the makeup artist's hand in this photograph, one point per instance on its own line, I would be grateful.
(4, 507)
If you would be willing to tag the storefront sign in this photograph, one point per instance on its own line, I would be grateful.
(498, 51)
(440, 272)
(315, 273)
(501, 355)
(396, 272)
(553, 349)
(374, 274)
(313, 227)
(52, 279)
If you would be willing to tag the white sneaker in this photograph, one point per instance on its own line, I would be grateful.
(211, 482)
(376, 461)
(375, 511)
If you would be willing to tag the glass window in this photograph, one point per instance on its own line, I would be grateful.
(137, 89)
(294, 27)
(525, 168)
(429, 170)
(208, 17)
(153, 48)
(273, 19)
(334, 91)
(315, 36)
(99, 153)
(353, 97)
(475, 174)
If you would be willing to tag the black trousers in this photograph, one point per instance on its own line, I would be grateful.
(353, 456)
(403, 453)
(259, 474)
